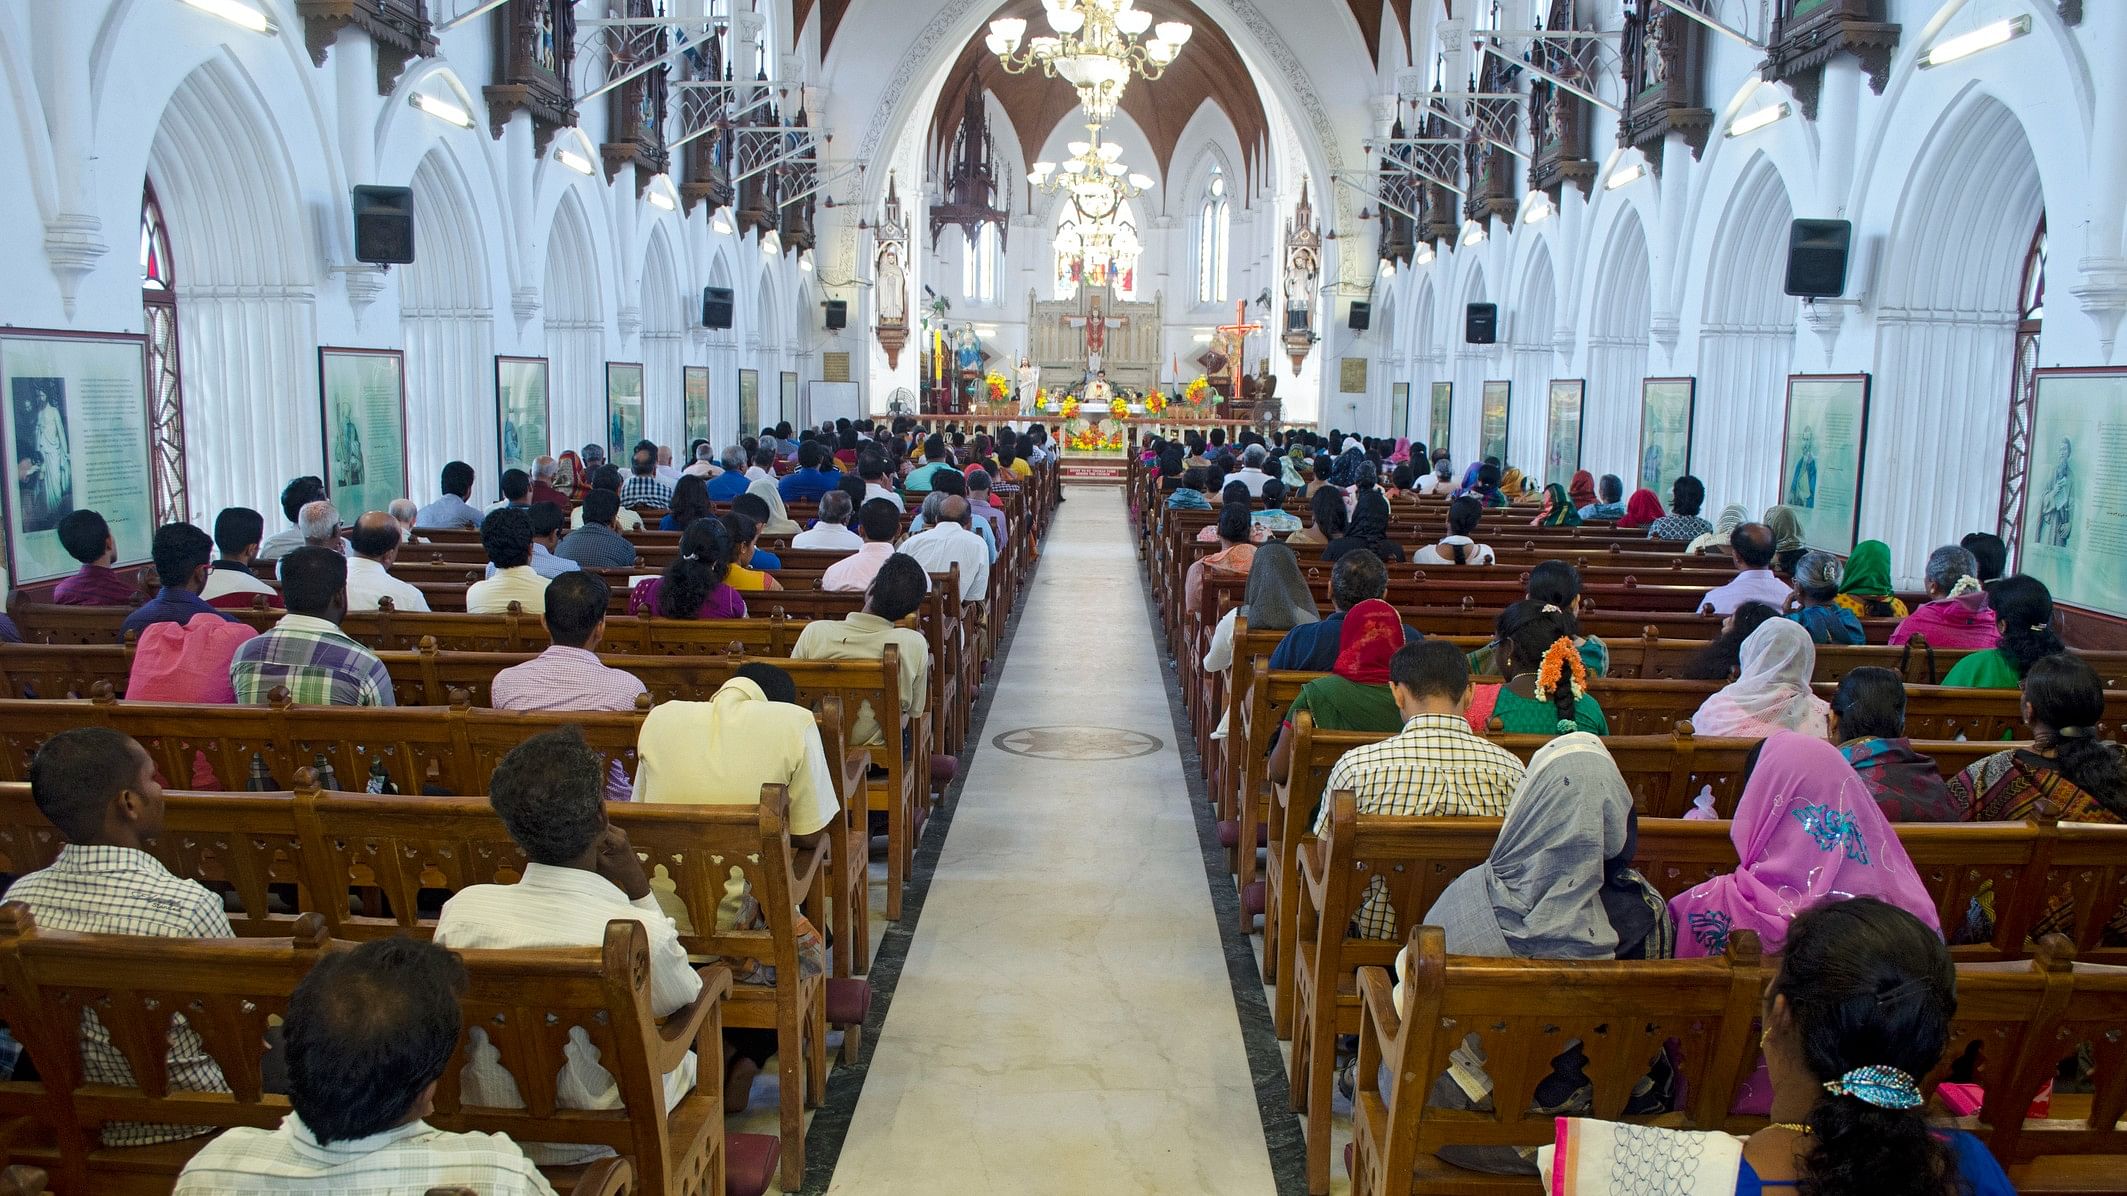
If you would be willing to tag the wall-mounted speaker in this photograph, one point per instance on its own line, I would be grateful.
(837, 314)
(1816, 257)
(1362, 317)
(1480, 323)
(384, 225)
(716, 307)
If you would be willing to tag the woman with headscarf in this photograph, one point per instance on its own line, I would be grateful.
(1956, 614)
(569, 476)
(1402, 451)
(1277, 599)
(1289, 470)
(1345, 473)
(1355, 696)
(1805, 830)
(1368, 530)
(1513, 484)
(1785, 522)
(1469, 477)
(1865, 583)
(1733, 516)
(1558, 509)
(1557, 884)
(1580, 489)
(779, 522)
(1641, 510)
(1772, 693)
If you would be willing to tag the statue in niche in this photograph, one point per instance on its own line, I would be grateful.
(1300, 275)
(1656, 47)
(891, 283)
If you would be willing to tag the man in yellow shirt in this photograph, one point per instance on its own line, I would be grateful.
(895, 593)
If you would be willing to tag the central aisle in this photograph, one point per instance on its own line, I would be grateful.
(1064, 1021)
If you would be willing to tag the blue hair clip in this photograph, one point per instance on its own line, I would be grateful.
(1883, 1087)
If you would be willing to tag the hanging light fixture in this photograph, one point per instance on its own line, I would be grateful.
(1094, 177)
(1097, 47)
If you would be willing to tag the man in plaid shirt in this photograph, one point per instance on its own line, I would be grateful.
(98, 787)
(306, 651)
(645, 488)
(1433, 767)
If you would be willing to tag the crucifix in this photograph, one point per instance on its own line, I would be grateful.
(1237, 336)
(1096, 329)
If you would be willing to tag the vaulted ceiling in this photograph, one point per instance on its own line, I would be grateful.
(1209, 68)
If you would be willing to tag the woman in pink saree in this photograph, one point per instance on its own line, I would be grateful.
(1806, 831)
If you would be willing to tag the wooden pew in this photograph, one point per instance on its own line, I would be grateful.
(229, 990)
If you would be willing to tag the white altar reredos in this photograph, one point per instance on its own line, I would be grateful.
(1066, 342)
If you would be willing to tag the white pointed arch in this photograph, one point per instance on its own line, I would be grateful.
(446, 315)
(1621, 309)
(575, 329)
(664, 343)
(1473, 365)
(1746, 342)
(1531, 332)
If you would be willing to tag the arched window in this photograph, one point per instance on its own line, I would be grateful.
(2031, 319)
(1214, 221)
(158, 302)
(982, 266)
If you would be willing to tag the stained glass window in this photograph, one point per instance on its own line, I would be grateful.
(1214, 223)
(158, 300)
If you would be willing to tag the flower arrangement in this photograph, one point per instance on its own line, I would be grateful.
(1119, 407)
(1091, 440)
(996, 386)
(1042, 401)
(1562, 663)
(1155, 404)
(1198, 390)
(1070, 406)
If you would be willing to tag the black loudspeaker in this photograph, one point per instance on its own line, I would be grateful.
(1362, 317)
(716, 307)
(837, 315)
(1816, 257)
(384, 225)
(1480, 323)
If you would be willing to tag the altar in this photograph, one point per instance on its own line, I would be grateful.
(1095, 331)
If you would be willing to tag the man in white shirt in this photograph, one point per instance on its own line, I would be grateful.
(832, 529)
(946, 541)
(667, 472)
(1751, 547)
(763, 461)
(581, 872)
(375, 541)
(1251, 472)
(294, 497)
(871, 466)
(507, 536)
(368, 1033)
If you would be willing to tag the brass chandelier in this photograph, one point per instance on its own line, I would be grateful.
(1097, 47)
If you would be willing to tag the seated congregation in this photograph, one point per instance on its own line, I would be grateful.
(539, 899)
(1591, 840)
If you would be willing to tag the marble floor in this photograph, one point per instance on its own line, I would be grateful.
(1064, 1019)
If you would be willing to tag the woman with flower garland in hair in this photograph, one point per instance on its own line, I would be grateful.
(1858, 1015)
(1546, 687)
(2023, 616)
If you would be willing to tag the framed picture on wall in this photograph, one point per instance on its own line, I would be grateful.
(787, 398)
(1399, 405)
(1562, 429)
(1492, 420)
(2067, 536)
(1665, 432)
(364, 396)
(79, 437)
(1826, 435)
(521, 410)
(694, 402)
(1441, 421)
(749, 402)
(624, 408)
(1351, 375)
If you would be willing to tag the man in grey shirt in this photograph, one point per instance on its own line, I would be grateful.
(598, 544)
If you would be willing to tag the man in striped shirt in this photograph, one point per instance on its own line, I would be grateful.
(306, 651)
(98, 787)
(369, 1032)
(1433, 767)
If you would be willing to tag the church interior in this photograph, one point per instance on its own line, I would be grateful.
(1055, 596)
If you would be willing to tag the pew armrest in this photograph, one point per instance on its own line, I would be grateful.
(805, 867)
(677, 1034)
(613, 1176)
(1377, 993)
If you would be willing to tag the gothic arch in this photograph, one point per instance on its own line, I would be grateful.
(447, 318)
(664, 343)
(1473, 365)
(1532, 336)
(246, 297)
(575, 329)
(1746, 343)
(1617, 350)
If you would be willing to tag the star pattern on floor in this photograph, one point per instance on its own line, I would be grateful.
(1077, 743)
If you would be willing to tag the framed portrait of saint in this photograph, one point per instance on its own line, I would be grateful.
(787, 399)
(1492, 420)
(694, 401)
(749, 402)
(1826, 435)
(2068, 536)
(1442, 418)
(521, 410)
(79, 437)
(363, 392)
(624, 408)
(1562, 431)
(1665, 432)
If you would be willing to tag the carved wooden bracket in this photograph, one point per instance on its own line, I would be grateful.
(400, 29)
(1810, 33)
